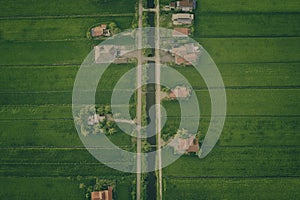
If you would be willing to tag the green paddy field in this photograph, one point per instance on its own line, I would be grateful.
(256, 46)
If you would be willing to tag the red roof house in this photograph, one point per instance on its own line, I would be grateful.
(102, 195)
(100, 31)
(181, 32)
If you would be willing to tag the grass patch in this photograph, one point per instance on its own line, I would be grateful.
(243, 75)
(255, 25)
(238, 6)
(252, 50)
(246, 102)
(41, 188)
(223, 188)
(239, 161)
(56, 29)
(65, 7)
(44, 53)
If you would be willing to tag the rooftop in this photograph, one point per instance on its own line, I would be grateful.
(180, 92)
(102, 195)
(181, 32)
(100, 31)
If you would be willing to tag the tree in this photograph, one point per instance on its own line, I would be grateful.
(114, 28)
(101, 110)
(107, 109)
(183, 133)
(96, 129)
(111, 131)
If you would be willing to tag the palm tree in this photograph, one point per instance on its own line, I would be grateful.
(111, 131)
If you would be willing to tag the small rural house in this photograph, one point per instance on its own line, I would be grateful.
(189, 144)
(186, 54)
(181, 32)
(182, 18)
(180, 92)
(102, 195)
(95, 119)
(100, 31)
(184, 5)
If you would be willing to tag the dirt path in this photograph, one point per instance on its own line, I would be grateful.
(158, 99)
(139, 103)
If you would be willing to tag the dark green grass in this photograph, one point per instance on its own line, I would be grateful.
(246, 6)
(246, 131)
(44, 126)
(244, 75)
(44, 53)
(53, 163)
(246, 102)
(55, 29)
(61, 91)
(26, 78)
(65, 7)
(239, 188)
(255, 25)
(35, 112)
(54, 155)
(239, 161)
(41, 188)
(48, 133)
(252, 50)
(48, 98)
(123, 188)
(29, 79)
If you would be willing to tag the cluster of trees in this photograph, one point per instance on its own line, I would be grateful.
(96, 185)
(114, 29)
(107, 126)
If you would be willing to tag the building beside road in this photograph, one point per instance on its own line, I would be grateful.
(188, 144)
(180, 92)
(101, 30)
(184, 5)
(182, 18)
(186, 54)
(102, 195)
(181, 32)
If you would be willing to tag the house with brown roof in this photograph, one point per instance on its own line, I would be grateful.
(184, 5)
(186, 54)
(102, 195)
(187, 144)
(180, 92)
(181, 32)
(182, 18)
(100, 31)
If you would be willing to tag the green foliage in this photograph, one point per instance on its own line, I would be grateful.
(57, 29)
(114, 28)
(250, 25)
(45, 187)
(41, 8)
(237, 188)
(103, 184)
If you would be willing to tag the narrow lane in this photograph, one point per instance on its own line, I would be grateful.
(139, 102)
(158, 99)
